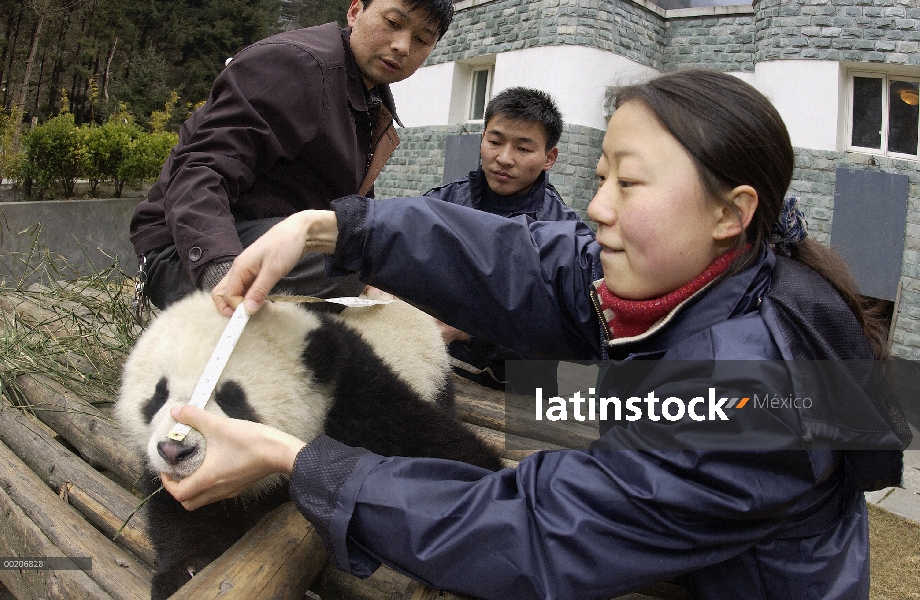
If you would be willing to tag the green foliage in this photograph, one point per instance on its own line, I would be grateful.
(145, 87)
(107, 147)
(146, 157)
(55, 152)
(317, 12)
(10, 160)
(160, 118)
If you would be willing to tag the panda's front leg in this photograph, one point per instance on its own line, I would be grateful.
(186, 542)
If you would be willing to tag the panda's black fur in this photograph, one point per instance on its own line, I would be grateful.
(364, 400)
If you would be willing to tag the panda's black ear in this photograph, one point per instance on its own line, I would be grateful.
(156, 402)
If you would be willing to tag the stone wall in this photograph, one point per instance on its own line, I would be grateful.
(724, 42)
(872, 31)
(418, 163)
(813, 180)
(626, 28)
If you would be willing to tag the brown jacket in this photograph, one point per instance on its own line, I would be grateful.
(287, 127)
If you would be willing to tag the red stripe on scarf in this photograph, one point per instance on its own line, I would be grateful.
(634, 317)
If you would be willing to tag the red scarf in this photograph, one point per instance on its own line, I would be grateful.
(629, 318)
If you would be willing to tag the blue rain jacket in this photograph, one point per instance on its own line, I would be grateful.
(601, 522)
(542, 203)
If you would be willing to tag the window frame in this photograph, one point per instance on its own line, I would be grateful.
(490, 76)
(886, 102)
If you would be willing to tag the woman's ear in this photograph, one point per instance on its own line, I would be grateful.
(736, 213)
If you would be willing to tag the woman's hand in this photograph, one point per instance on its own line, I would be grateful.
(256, 271)
(239, 453)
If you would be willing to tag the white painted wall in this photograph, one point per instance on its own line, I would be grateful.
(807, 95)
(424, 98)
(576, 76)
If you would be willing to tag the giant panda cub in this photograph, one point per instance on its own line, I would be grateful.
(375, 377)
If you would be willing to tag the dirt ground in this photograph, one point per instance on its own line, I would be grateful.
(895, 556)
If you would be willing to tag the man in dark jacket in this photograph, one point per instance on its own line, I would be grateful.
(294, 121)
(518, 147)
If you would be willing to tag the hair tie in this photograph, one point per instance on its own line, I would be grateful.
(790, 228)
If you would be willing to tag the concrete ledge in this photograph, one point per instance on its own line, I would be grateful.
(88, 234)
(899, 501)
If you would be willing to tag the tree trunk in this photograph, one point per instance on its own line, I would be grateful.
(24, 90)
(108, 65)
(9, 67)
(38, 85)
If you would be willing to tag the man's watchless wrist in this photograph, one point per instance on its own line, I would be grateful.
(212, 275)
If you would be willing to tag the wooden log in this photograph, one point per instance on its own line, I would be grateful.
(663, 591)
(90, 430)
(278, 558)
(387, 584)
(118, 572)
(486, 407)
(103, 502)
(22, 538)
(504, 443)
(384, 584)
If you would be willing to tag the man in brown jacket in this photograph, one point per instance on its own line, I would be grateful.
(293, 122)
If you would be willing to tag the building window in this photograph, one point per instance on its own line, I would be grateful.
(480, 93)
(884, 114)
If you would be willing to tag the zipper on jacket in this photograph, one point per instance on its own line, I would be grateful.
(605, 334)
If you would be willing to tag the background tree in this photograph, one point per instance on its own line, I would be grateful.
(317, 12)
(110, 52)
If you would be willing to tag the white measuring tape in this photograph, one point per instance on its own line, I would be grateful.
(227, 342)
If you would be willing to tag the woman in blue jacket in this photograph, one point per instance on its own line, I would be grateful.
(697, 258)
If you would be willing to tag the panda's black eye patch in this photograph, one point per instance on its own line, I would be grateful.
(232, 400)
(156, 402)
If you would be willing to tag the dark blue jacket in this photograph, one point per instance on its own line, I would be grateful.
(542, 203)
(601, 522)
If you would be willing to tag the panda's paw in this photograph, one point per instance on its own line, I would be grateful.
(167, 583)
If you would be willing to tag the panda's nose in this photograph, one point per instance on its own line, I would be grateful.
(175, 452)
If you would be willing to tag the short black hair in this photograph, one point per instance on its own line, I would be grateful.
(528, 104)
(441, 12)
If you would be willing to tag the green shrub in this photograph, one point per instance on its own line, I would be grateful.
(55, 156)
(107, 147)
(9, 159)
(146, 156)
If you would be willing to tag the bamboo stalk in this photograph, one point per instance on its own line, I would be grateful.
(54, 316)
(116, 571)
(103, 502)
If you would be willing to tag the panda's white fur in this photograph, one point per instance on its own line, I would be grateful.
(374, 377)
(178, 344)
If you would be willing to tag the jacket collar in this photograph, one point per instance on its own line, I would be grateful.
(532, 204)
(735, 295)
(356, 90)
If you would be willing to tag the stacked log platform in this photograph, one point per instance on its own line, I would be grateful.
(67, 490)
